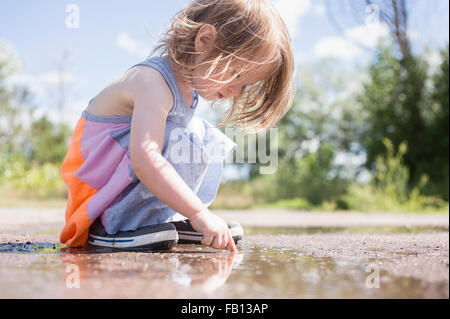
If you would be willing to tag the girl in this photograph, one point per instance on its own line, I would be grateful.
(128, 184)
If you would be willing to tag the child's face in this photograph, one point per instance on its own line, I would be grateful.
(210, 90)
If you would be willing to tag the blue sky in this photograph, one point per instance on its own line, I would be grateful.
(112, 36)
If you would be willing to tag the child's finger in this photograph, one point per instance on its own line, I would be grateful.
(224, 240)
(231, 243)
(217, 242)
(207, 239)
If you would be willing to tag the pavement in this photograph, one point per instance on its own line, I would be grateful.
(285, 254)
(258, 218)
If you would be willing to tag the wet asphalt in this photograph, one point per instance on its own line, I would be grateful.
(389, 257)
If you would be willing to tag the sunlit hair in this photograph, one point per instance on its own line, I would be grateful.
(250, 33)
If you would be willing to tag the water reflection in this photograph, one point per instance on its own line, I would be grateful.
(190, 271)
(186, 266)
(257, 230)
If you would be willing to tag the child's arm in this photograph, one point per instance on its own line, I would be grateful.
(152, 103)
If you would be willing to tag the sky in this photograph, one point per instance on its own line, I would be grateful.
(111, 36)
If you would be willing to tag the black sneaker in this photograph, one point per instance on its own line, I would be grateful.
(155, 237)
(188, 235)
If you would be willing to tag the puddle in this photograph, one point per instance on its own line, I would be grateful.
(31, 248)
(190, 271)
(323, 230)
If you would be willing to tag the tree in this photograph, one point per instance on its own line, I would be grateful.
(323, 121)
(48, 142)
(31, 150)
(14, 103)
(393, 14)
(395, 100)
(438, 135)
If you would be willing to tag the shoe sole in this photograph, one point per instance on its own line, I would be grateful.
(187, 237)
(159, 240)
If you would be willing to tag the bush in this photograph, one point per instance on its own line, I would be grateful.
(293, 203)
(33, 181)
(388, 190)
(313, 177)
(233, 195)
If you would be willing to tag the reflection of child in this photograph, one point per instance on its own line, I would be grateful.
(118, 167)
(201, 275)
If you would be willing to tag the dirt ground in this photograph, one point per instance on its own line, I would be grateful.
(334, 260)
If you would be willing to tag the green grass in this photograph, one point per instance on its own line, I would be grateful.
(322, 230)
(229, 202)
(15, 199)
(301, 204)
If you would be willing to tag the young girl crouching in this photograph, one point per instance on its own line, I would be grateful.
(126, 187)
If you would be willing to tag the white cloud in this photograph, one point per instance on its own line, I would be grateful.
(44, 91)
(350, 45)
(39, 84)
(412, 34)
(367, 36)
(434, 60)
(43, 87)
(54, 78)
(125, 42)
(72, 111)
(292, 12)
(319, 9)
(336, 47)
(130, 45)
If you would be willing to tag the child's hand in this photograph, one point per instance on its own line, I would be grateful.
(214, 229)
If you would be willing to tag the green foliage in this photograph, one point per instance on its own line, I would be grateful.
(400, 106)
(391, 175)
(33, 181)
(234, 195)
(388, 190)
(398, 118)
(318, 178)
(437, 166)
(311, 179)
(30, 154)
(293, 203)
(324, 113)
(48, 142)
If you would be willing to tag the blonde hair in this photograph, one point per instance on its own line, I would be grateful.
(246, 30)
